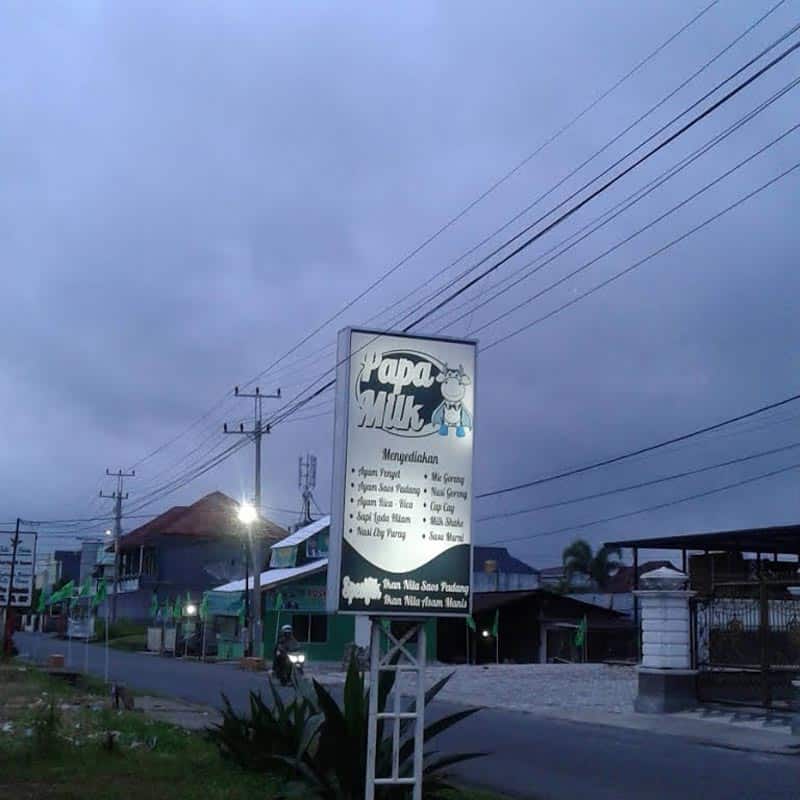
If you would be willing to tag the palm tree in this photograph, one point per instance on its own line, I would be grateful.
(578, 559)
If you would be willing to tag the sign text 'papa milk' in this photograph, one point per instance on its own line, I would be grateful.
(401, 524)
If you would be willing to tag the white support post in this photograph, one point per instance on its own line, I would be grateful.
(105, 669)
(400, 660)
(372, 721)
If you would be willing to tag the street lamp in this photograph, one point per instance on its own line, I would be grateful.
(191, 610)
(247, 515)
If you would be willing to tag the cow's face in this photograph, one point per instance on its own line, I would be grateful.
(454, 383)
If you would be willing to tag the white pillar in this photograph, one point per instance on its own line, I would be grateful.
(666, 631)
(666, 679)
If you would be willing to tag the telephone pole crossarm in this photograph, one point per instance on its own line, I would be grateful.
(117, 496)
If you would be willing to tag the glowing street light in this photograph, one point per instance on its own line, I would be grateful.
(108, 532)
(247, 513)
(191, 609)
(247, 516)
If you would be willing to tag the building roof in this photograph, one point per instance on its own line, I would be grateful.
(505, 561)
(552, 572)
(489, 601)
(306, 532)
(622, 580)
(211, 516)
(275, 577)
(776, 539)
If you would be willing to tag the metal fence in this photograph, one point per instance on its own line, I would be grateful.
(746, 643)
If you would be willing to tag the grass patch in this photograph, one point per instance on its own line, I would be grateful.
(59, 742)
(131, 643)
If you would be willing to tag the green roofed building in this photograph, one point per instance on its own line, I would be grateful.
(293, 592)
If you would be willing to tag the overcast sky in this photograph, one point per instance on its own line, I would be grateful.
(188, 189)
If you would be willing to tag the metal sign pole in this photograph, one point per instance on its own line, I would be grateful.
(69, 633)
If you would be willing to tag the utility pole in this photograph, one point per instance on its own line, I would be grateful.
(8, 622)
(256, 544)
(117, 496)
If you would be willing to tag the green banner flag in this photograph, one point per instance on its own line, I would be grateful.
(278, 601)
(154, 605)
(177, 609)
(100, 593)
(203, 610)
(241, 613)
(470, 620)
(496, 623)
(64, 593)
(41, 607)
(86, 588)
(580, 633)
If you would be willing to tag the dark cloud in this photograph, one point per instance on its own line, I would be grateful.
(189, 189)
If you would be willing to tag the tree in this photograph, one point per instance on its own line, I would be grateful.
(578, 559)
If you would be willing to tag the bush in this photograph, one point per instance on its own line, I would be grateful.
(324, 745)
(47, 726)
(261, 740)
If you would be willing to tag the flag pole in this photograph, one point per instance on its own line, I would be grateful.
(69, 633)
(497, 636)
(86, 645)
(466, 631)
(106, 648)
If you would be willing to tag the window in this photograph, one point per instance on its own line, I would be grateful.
(310, 628)
(317, 546)
(283, 557)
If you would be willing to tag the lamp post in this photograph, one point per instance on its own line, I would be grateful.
(191, 610)
(247, 515)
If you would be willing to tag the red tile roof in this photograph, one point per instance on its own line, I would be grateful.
(211, 516)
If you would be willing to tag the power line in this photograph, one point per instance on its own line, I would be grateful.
(609, 183)
(657, 507)
(577, 299)
(297, 403)
(640, 485)
(632, 199)
(616, 138)
(283, 413)
(649, 449)
(453, 220)
(430, 239)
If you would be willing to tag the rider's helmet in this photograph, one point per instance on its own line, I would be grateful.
(286, 630)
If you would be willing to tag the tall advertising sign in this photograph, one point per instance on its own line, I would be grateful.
(21, 560)
(401, 516)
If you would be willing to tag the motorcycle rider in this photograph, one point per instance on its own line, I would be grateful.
(281, 666)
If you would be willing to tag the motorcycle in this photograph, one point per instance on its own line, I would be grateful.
(285, 663)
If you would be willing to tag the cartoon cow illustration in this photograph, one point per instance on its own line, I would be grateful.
(451, 412)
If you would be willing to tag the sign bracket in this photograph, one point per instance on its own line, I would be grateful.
(404, 655)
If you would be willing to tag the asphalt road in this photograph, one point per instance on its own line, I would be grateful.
(531, 757)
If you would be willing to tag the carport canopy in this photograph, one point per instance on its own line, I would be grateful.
(782, 539)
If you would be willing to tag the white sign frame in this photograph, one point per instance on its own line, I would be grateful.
(24, 573)
(457, 450)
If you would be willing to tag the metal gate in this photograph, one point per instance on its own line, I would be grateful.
(746, 643)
